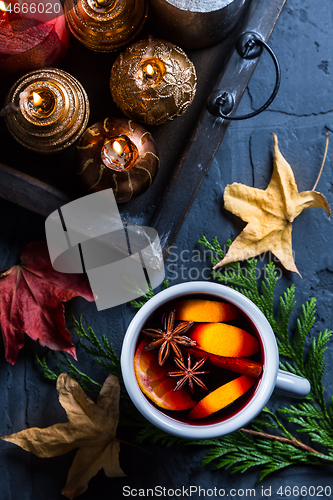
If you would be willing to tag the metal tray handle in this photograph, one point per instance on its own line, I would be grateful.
(249, 45)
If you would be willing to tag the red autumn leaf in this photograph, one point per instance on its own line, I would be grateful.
(31, 296)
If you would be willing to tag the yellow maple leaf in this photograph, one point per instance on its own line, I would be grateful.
(269, 214)
(91, 428)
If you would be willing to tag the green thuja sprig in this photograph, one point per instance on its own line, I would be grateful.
(145, 297)
(64, 364)
(105, 357)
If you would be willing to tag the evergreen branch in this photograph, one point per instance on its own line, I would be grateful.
(106, 358)
(240, 453)
(287, 304)
(47, 372)
(65, 364)
(294, 442)
(147, 296)
(157, 436)
(315, 368)
(86, 382)
(304, 324)
(90, 343)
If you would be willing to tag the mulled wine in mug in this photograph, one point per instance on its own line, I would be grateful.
(200, 360)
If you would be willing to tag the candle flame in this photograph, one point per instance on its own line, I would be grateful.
(149, 69)
(117, 147)
(102, 3)
(37, 99)
(4, 7)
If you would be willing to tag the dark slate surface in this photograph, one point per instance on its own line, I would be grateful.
(300, 115)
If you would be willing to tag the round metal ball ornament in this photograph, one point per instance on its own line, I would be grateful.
(119, 154)
(153, 81)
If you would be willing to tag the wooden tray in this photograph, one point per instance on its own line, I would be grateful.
(186, 145)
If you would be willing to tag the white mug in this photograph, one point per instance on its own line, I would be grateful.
(271, 376)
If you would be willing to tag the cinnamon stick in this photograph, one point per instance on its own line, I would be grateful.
(244, 366)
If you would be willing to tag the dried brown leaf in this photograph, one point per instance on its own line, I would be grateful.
(269, 214)
(91, 428)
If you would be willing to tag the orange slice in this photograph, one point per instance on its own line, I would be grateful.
(224, 340)
(221, 397)
(205, 311)
(155, 383)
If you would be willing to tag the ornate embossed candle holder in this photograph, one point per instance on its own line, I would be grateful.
(105, 25)
(52, 110)
(153, 81)
(119, 154)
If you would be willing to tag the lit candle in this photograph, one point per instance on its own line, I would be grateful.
(119, 153)
(151, 72)
(129, 158)
(162, 86)
(40, 103)
(53, 110)
(105, 25)
(102, 4)
(37, 99)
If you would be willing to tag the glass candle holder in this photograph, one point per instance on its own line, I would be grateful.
(52, 110)
(150, 73)
(153, 81)
(105, 25)
(119, 154)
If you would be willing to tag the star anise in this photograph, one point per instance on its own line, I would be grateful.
(169, 338)
(188, 373)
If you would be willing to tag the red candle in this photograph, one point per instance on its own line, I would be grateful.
(33, 34)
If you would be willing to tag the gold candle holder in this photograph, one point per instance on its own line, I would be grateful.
(153, 81)
(52, 110)
(105, 25)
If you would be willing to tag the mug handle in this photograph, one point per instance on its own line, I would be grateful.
(293, 385)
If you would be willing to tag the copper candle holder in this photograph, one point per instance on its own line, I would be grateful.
(105, 25)
(51, 110)
(119, 154)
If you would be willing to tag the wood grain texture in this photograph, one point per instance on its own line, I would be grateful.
(29, 192)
